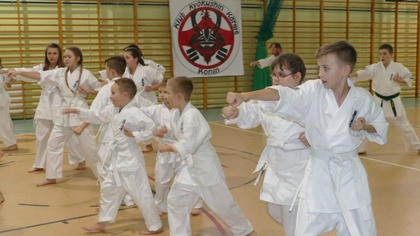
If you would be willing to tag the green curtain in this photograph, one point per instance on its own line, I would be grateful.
(262, 77)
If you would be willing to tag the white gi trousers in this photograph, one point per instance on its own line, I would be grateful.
(311, 224)
(283, 216)
(181, 200)
(164, 172)
(43, 128)
(6, 126)
(134, 183)
(60, 136)
(411, 141)
(409, 136)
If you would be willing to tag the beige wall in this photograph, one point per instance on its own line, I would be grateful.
(103, 28)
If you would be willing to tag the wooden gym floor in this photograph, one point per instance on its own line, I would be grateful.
(62, 209)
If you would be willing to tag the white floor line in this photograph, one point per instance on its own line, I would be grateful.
(236, 128)
(390, 163)
(361, 157)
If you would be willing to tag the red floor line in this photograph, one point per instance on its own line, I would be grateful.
(210, 216)
(215, 222)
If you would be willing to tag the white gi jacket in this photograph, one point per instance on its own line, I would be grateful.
(201, 165)
(150, 63)
(4, 96)
(124, 153)
(284, 157)
(145, 76)
(334, 165)
(68, 92)
(102, 100)
(155, 66)
(266, 62)
(383, 83)
(48, 97)
(161, 115)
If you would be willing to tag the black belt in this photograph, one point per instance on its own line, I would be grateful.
(389, 98)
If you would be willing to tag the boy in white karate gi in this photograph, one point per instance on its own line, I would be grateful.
(115, 67)
(74, 84)
(167, 163)
(334, 193)
(200, 174)
(285, 156)
(387, 77)
(123, 168)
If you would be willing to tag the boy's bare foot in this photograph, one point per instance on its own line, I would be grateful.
(418, 151)
(148, 148)
(81, 166)
(47, 182)
(11, 148)
(196, 211)
(35, 169)
(96, 228)
(252, 234)
(148, 232)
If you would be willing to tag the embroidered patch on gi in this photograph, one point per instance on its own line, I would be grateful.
(122, 125)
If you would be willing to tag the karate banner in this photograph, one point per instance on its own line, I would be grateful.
(206, 37)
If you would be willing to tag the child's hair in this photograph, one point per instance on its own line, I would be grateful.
(163, 82)
(60, 62)
(127, 85)
(292, 62)
(387, 47)
(345, 52)
(116, 63)
(276, 45)
(77, 53)
(136, 53)
(135, 46)
(183, 85)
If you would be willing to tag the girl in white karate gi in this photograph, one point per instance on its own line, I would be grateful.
(200, 174)
(73, 83)
(161, 69)
(334, 193)
(387, 77)
(150, 63)
(6, 125)
(44, 112)
(123, 168)
(147, 79)
(285, 156)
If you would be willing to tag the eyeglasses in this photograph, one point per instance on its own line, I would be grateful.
(278, 76)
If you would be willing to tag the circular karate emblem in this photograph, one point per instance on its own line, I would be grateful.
(208, 37)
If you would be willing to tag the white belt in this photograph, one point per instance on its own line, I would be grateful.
(114, 161)
(363, 203)
(262, 163)
(188, 158)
